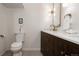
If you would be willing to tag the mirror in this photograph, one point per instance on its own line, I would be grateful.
(56, 12)
(70, 16)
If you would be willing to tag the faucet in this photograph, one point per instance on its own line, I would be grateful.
(54, 27)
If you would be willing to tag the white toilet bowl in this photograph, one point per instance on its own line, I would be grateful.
(16, 48)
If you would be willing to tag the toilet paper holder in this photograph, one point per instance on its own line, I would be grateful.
(2, 36)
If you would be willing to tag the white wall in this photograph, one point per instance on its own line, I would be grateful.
(36, 17)
(75, 16)
(5, 28)
(10, 27)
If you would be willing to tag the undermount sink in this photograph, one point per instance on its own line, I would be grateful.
(71, 33)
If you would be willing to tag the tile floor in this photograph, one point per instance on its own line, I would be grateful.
(8, 53)
(25, 53)
(32, 53)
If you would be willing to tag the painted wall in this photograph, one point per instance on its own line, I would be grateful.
(36, 17)
(10, 27)
(5, 29)
(75, 16)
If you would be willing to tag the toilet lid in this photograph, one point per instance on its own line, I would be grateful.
(17, 44)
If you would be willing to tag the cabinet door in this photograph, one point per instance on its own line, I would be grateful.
(58, 46)
(51, 45)
(67, 48)
(54, 45)
(75, 49)
(47, 44)
(43, 44)
(71, 48)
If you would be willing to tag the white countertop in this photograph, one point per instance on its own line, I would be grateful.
(69, 37)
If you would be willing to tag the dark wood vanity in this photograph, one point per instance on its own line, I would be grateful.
(55, 46)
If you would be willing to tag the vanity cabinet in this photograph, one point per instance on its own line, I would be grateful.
(70, 48)
(55, 46)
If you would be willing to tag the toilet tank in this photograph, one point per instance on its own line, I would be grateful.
(19, 37)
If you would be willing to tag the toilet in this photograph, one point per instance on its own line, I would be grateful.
(16, 47)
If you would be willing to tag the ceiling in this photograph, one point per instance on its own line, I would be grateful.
(13, 5)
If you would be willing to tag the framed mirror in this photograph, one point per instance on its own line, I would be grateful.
(56, 12)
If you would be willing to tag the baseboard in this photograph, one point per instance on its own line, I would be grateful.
(31, 49)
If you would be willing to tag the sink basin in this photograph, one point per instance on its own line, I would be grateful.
(71, 33)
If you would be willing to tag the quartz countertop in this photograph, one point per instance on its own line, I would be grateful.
(69, 37)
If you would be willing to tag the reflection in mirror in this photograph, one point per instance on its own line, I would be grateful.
(70, 17)
(67, 22)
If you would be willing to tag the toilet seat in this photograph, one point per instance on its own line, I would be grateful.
(16, 47)
(16, 44)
